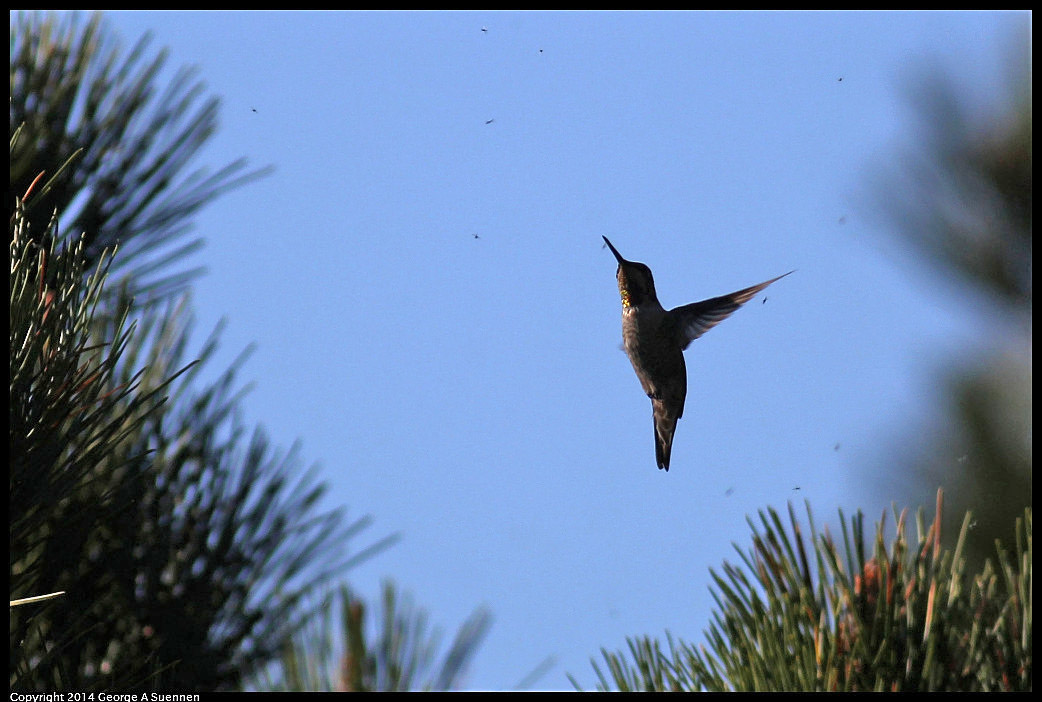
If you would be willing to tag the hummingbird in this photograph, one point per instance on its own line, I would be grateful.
(655, 339)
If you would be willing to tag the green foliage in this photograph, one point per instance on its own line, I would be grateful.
(184, 546)
(76, 90)
(69, 406)
(346, 659)
(960, 201)
(853, 616)
(178, 548)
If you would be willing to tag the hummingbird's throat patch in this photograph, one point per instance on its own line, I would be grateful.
(625, 294)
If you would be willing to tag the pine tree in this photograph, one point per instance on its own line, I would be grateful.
(184, 547)
(340, 653)
(809, 614)
(960, 205)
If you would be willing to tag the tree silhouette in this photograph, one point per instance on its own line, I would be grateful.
(338, 653)
(809, 612)
(75, 89)
(185, 545)
(961, 204)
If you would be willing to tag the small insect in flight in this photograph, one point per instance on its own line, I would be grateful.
(489, 121)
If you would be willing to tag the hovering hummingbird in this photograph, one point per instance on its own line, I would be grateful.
(655, 340)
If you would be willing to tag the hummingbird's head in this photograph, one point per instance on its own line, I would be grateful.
(636, 285)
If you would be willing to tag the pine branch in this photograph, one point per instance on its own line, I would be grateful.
(870, 616)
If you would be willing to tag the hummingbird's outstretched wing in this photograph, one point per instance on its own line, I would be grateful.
(694, 320)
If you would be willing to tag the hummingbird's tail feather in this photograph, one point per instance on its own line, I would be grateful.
(665, 427)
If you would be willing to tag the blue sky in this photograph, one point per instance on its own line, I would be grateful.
(469, 392)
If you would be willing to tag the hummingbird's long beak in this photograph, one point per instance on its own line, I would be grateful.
(618, 256)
